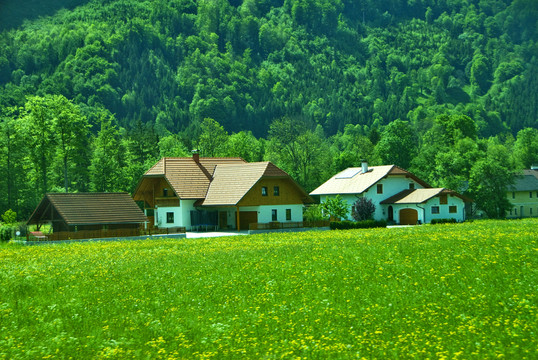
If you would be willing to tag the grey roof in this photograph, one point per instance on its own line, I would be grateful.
(527, 181)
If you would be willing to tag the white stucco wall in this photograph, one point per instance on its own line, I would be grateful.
(182, 214)
(391, 186)
(265, 212)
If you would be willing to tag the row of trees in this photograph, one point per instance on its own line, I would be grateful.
(50, 145)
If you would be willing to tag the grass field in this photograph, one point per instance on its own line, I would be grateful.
(463, 291)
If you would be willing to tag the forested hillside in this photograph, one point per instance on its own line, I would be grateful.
(93, 94)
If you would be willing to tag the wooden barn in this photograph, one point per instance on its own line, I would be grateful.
(88, 215)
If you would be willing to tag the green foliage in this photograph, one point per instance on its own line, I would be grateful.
(335, 207)
(314, 213)
(6, 232)
(443, 221)
(9, 217)
(362, 224)
(312, 85)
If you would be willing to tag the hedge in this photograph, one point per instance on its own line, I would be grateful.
(6, 232)
(365, 224)
(443, 221)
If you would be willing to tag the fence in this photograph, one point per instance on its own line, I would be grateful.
(288, 225)
(98, 234)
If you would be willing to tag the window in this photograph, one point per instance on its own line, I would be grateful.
(530, 209)
(264, 190)
(435, 209)
(276, 191)
(515, 211)
(411, 186)
(380, 188)
(165, 192)
(513, 195)
(274, 216)
(453, 209)
(443, 199)
(510, 211)
(530, 194)
(288, 214)
(169, 217)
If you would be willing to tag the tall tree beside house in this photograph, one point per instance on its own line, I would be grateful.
(398, 144)
(213, 139)
(107, 162)
(71, 130)
(12, 160)
(301, 152)
(489, 178)
(41, 139)
(526, 148)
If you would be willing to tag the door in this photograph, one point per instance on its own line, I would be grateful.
(223, 219)
(408, 217)
(246, 218)
(391, 213)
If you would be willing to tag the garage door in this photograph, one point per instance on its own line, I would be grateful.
(247, 217)
(408, 217)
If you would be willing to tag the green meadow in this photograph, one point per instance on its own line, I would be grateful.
(461, 291)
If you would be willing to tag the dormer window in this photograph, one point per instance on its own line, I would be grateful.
(380, 188)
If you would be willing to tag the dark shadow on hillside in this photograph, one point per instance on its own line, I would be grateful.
(14, 12)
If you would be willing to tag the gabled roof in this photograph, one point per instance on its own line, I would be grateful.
(188, 178)
(419, 196)
(354, 181)
(527, 181)
(232, 182)
(89, 208)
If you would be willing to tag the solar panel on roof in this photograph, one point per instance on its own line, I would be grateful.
(348, 173)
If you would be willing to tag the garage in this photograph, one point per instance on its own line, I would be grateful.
(408, 217)
(246, 218)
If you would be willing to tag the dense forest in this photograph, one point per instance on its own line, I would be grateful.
(93, 92)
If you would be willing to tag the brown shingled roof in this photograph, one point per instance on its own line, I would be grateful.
(89, 208)
(232, 182)
(188, 178)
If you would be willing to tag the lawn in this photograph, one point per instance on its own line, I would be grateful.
(464, 291)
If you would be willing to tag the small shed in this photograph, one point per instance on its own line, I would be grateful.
(88, 215)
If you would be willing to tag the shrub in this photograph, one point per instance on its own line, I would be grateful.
(365, 224)
(443, 221)
(6, 232)
(313, 213)
(363, 209)
(335, 207)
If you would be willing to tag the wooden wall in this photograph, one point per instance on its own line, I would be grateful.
(289, 193)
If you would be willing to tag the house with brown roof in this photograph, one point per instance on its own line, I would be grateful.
(88, 215)
(219, 193)
(523, 194)
(398, 195)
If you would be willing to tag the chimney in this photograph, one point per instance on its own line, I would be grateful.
(196, 155)
(364, 165)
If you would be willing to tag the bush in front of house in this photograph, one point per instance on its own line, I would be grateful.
(443, 221)
(5, 232)
(365, 224)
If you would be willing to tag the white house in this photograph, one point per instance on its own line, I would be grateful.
(397, 194)
(219, 193)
